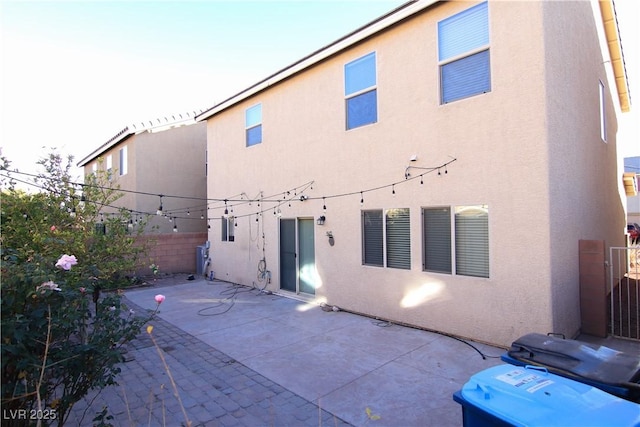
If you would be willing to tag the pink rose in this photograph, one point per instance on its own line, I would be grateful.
(159, 298)
(53, 228)
(66, 261)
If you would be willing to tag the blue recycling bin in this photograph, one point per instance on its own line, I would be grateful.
(508, 395)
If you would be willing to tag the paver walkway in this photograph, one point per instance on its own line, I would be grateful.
(214, 389)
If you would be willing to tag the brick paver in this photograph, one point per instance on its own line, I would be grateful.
(213, 389)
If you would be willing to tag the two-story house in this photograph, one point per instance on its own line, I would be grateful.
(160, 166)
(436, 167)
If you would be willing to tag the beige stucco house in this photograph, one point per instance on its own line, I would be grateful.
(436, 167)
(161, 162)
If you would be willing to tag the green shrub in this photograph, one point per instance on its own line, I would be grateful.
(62, 334)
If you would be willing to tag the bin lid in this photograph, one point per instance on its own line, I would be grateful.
(531, 396)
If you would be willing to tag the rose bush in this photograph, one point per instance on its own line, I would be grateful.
(62, 333)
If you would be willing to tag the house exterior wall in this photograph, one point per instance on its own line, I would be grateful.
(169, 162)
(514, 150)
(584, 198)
(172, 162)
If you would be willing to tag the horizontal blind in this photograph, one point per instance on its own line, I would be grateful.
(372, 238)
(360, 74)
(472, 242)
(466, 77)
(223, 230)
(398, 238)
(463, 32)
(436, 226)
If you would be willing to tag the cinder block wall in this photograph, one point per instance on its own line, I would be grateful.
(171, 252)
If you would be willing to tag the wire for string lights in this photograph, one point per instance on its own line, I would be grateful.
(270, 199)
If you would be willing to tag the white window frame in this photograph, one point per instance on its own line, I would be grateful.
(603, 111)
(228, 229)
(250, 125)
(349, 95)
(458, 248)
(464, 48)
(109, 166)
(392, 248)
(124, 160)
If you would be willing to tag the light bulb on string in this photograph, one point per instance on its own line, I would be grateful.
(324, 206)
(159, 211)
(361, 199)
(421, 181)
(393, 189)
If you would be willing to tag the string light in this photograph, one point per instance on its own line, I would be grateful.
(361, 199)
(159, 211)
(244, 200)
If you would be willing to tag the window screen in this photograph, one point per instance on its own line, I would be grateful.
(472, 240)
(463, 42)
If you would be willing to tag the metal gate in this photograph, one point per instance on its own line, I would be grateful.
(624, 292)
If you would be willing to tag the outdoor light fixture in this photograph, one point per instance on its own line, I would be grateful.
(321, 219)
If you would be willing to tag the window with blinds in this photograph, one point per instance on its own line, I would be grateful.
(372, 238)
(467, 238)
(227, 232)
(472, 240)
(463, 52)
(436, 253)
(386, 239)
(398, 238)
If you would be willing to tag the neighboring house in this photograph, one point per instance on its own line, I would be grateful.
(631, 181)
(437, 167)
(161, 157)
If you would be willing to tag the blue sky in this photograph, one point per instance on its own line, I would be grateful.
(76, 72)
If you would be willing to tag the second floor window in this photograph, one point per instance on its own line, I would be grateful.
(463, 52)
(360, 91)
(109, 167)
(603, 112)
(253, 125)
(123, 161)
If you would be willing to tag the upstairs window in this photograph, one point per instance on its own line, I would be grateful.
(109, 167)
(603, 113)
(463, 52)
(253, 125)
(123, 161)
(360, 91)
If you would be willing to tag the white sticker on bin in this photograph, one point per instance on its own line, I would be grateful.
(525, 379)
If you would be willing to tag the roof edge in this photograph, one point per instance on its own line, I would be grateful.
(614, 44)
(377, 25)
(156, 125)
